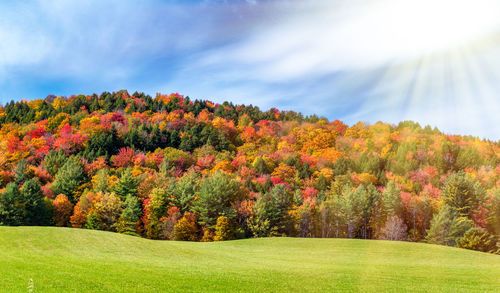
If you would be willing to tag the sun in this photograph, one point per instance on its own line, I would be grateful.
(427, 26)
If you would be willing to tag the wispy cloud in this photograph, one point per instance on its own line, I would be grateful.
(355, 60)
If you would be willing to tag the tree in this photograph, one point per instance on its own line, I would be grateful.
(108, 210)
(103, 143)
(168, 223)
(447, 227)
(351, 204)
(54, 161)
(62, 210)
(392, 199)
(129, 217)
(222, 229)
(80, 212)
(100, 181)
(37, 210)
(480, 240)
(127, 185)
(20, 172)
(463, 194)
(92, 222)
(394, 229)
(70, 176)
(368, 197)
(216, 197)
(186, 228)
(260, 166)
(333, 216)
(271, 211)
(306, 219)
(11, 206)
(185, 190)
(155, 209)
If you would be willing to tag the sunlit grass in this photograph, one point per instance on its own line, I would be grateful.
(72, 260)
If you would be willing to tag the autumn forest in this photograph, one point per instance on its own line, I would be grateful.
(173, 168)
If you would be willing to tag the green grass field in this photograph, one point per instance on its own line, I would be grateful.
(74, 260)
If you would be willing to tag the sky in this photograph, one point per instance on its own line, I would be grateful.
(436, 62)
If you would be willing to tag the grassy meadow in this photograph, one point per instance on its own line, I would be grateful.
(75, 260)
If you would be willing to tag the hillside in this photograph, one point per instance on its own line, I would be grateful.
(60, 259)
(170, 167)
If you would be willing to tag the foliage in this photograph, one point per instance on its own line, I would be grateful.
(479, 239)
(139, 164)
(36, 209)
(447, 227)
(12, 206)
(222, 229)
(62, 210)
(68, 178)
(216, 197)
(186, 229)
(127, 185)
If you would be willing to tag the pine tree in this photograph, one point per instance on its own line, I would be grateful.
(11, 206)
(217, 194)
(127, 185)
(20, 172)
(37, 211)
(447, 227)
(70, 176)
(129, 217)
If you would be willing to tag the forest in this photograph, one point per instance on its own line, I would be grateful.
(173, 168)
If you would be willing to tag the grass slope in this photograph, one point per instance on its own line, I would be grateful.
(74, 260)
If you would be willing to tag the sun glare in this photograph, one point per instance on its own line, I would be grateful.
(428, 26)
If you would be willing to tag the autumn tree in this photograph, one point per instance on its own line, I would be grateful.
(62, 210)
(186, 228)
(394, 229)
(107, 210)
(480, 240)
(222, 229)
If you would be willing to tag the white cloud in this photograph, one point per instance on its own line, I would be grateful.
(431, 61)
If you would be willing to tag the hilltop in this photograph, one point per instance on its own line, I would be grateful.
(170, 167)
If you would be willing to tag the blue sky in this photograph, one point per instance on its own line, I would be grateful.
(435, 62)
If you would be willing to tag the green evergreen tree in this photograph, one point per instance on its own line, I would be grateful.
(217, 195)
(20, 173)
(127, 185)
(37, 211)
(321, 183)
(53, 161)
(70, 176)
(463, 194)
(130, 215)
(12, 206)
(185, 190)
(392, 200)
(447, 227)
(101, 182)
(92, 222)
